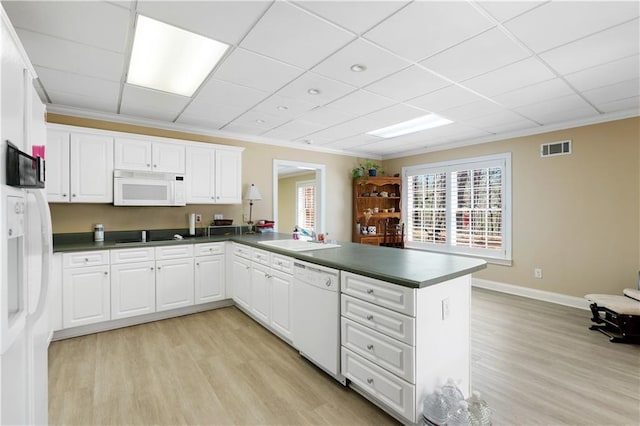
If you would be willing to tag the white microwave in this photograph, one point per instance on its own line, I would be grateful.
(137, 188)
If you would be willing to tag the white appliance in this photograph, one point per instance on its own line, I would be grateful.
(139, 188)
(316, 316)
(26, 255)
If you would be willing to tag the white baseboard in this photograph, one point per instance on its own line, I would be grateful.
(532, 293)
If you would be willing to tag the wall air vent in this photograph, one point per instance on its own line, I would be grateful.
(552, 149)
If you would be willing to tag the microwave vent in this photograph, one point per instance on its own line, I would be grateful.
(552, 149)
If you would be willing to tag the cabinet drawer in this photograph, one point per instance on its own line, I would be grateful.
(208, 249)
(242, 251)
(260, 256)
(282, 263)
(392, 355)
(392, 296)
(141, 254)
(174, 252)
(391, 323)
(386, 387)
(85, 258)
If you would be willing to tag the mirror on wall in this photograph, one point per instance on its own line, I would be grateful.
(298, 195)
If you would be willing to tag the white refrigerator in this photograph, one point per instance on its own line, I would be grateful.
(26, 256)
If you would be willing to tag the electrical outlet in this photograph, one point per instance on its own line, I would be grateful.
(198, 218)
(537, 273)
(445, 309)
(245, 217)
(218, 216)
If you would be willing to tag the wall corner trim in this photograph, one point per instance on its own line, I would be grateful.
(545, 296)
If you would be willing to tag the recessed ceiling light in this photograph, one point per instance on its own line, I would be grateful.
(313, 91)
(283, 107)
(260, 121)
(358, 68)
(171, 59)
(411, 126)
(307, 141)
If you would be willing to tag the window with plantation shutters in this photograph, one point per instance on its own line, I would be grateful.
(460, 206)
(305, 204)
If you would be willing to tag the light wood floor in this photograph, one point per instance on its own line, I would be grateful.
(534, 362)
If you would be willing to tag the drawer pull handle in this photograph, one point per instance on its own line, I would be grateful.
(86, 259)
(106, 273)
(370, 380)
(370, 347)
(159, 268)
(197, 263)
(369, 291)
(370, 317)
(151, 268)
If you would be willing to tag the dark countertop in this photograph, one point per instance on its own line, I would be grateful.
(409, 268)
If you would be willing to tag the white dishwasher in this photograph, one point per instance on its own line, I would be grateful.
(316, 316)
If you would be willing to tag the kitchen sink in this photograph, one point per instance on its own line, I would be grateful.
(298, 245)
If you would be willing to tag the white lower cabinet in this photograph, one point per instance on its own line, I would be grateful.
(209, 278)
(133, 289)
(85, 291)
(281, 286)
(174, 283)
(241, 281)
(260, 292)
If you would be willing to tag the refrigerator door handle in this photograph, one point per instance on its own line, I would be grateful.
(47, 251)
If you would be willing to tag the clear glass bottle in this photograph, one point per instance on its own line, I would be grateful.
(479, 410)
(435, 408)
(460, 416)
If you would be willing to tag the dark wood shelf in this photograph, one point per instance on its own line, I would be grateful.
(363, 184)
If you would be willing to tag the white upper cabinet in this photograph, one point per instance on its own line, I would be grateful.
(79, 167)
(214, 175)
(138, 154)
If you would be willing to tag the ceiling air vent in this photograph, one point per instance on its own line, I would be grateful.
(555, 148)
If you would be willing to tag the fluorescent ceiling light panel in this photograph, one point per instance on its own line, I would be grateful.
(171, 59)
(411, 126)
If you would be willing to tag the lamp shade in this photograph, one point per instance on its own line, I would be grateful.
(252, 193)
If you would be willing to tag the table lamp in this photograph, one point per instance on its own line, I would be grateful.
(252, 195)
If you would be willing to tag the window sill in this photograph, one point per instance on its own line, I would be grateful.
(489, 260)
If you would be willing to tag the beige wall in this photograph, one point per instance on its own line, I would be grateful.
(257, 166)
(287, 200)
(575, 216)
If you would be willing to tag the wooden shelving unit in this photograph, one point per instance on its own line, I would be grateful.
(363, 188)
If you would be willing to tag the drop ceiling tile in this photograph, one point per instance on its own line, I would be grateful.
(284, 107)
(378, 63)
(341, 131)
(511, 127)
(96, 24)
(407, 83)
(259, 119)
(215, 120)
(252, 70)
(472, 110)
(444, 99)
(79, 85)
(326, 116)
(304, 141)
(360, 103)
(551, 24)
(239, 130)
(330, 90)
(500, 120)
(504, 10)
(511, 77)
(424, 28)
(557, 110)
(226, 21)
(614, 92)
(605, 74)
(222, 93)
(138, 101)
(597, 49)
(64, 55)
(356, 16)
(93, 103)
(485, 52)
(628, 104)
(538, 92)
(294, 130)
(295, 36)
(395, 114)
(354, 141)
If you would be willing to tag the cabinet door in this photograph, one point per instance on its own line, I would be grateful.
(57, 166)
(133, 289)
(132, 154)
(91, 172)
(260, 291)
(13, 83)
(174, 283)
(85, 296)
(200, 175)
(281, 285)
(228, 177)
(55, 293)
(241, 281)
(168, 157)
(209, 279)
